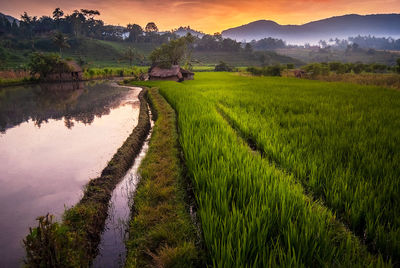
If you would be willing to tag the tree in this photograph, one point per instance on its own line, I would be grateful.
(262, 59)
(222, 67)
(135, 31)
(57, 14)
(151, 27)
(28, 23)
(248, 48)
(44, 64)
(60, 41)
(131, 54)
(398, 65)
(77, 20)
(90, 13)
(172, 53)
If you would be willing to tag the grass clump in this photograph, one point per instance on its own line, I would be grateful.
(161, 232)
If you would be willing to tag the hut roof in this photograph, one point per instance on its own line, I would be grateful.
(74, 66)
(175, 70)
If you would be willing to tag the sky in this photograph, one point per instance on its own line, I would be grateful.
(209, 16)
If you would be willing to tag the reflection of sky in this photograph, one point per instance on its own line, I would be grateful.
(207, 15)
(41, 169)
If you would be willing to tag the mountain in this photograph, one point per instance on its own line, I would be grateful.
(9, 18)
(342, 27)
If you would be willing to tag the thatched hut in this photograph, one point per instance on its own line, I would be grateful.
(299, 73)
(175, 73)
(68, 71)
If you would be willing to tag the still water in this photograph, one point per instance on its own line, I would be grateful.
(53, 139)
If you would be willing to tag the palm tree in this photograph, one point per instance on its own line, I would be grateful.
(60, 41)
(131, 54)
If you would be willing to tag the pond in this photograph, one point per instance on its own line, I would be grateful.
(53, 139)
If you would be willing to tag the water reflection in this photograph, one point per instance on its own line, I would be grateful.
(112, 252)
(76, 101)
(54, 139)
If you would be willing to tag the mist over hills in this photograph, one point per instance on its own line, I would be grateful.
(342, 27)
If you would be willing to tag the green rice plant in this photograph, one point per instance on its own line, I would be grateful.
(253, 212)
(340, 140)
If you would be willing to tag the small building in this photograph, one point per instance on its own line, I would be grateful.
(70, 71)
(299, 73)
(175, 73)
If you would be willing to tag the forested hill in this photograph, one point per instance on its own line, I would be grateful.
(336, 27)
(9, 18)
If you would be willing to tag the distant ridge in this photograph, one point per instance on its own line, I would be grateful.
(9, 18)
(380, 25)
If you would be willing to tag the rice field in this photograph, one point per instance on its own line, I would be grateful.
(291, 172)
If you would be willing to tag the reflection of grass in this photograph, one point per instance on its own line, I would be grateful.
(161, 231)
(73, 243)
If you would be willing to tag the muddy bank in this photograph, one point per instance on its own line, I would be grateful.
(112, 251)
(74, 241)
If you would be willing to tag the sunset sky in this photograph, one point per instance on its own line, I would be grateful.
(206, 15)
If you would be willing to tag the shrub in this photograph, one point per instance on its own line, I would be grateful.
(290, 66)
(398, 65)
(44, 64)
(266, 71)
(223, 67)
(315, 69)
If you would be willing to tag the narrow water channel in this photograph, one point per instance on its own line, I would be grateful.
(53, 139)
(112, 251)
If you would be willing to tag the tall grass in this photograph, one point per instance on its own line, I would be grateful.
(341, 141)
(94, 73)
(252, 213)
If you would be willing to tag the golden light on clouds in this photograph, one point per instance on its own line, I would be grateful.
(206, 15)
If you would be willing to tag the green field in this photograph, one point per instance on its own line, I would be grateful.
(291, 172)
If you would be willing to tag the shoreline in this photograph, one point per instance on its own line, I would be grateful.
(74, 241)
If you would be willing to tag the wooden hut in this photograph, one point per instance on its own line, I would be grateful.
(70, 71)
(175, 73)
(299, 73)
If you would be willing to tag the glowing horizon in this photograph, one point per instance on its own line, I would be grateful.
(206, 15)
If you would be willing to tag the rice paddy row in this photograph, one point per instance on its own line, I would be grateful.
(253, 214)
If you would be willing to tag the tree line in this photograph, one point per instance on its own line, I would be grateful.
(84, 24)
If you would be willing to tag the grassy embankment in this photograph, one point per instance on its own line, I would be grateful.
(256, 210)
(17, 77)
(74, 241)
(162, 233)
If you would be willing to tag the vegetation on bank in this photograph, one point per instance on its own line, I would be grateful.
(74, 241)
(253, 207)
(17, 77)
(162, 233)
